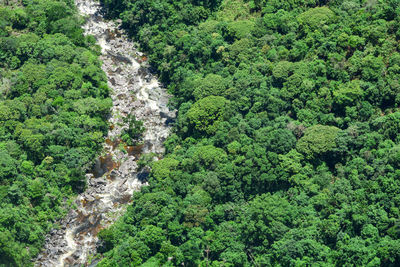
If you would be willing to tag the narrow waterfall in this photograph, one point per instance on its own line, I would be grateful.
(115, 176)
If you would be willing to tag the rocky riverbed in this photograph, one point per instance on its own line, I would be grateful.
(115, 175)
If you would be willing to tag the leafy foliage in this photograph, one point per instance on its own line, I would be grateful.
(133, 133)
(53, 107)
(317, 140)
(286, 147)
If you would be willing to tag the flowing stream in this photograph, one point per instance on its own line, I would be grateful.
(115, 176)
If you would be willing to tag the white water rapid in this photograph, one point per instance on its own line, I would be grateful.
(115, 177)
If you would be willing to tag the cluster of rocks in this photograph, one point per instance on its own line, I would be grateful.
(52, 244)
(137, 92)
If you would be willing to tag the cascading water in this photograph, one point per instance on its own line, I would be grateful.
(115, 177)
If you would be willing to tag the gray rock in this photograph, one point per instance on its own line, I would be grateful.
(149, 103)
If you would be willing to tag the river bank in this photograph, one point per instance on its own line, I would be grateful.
(114, 178)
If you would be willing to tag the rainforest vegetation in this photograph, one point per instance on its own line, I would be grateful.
(286, 148)
(53, 107)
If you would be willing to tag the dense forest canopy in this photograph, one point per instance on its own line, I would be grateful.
(53, 107)
(286, 150)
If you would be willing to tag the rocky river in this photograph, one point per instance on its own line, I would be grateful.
(115, 175)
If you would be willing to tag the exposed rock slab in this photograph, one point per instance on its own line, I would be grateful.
(110, 187)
